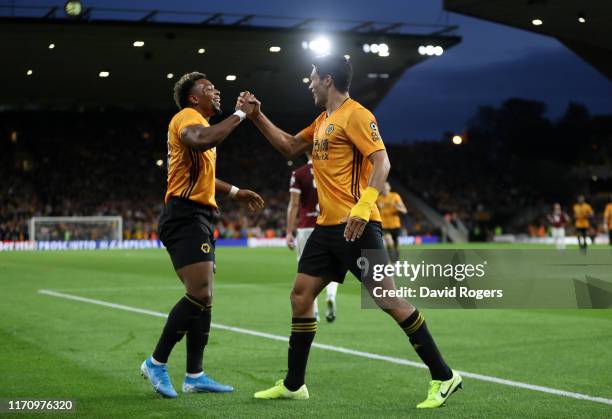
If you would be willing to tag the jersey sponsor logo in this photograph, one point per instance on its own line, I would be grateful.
(330, 129)
(205, 248)
(320, 150)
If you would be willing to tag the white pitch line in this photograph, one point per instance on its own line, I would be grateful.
(340, 349)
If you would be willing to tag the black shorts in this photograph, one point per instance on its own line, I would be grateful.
(394, 232)
(328, 255)
(582, 231)
(186, 228)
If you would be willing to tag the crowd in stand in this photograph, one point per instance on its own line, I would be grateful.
(113, 162)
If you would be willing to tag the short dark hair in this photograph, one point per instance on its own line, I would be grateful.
(182, 88)
(338, 67)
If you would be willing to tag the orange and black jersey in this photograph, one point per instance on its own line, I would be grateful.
(342, 143)
(387, 205)
(191, 173)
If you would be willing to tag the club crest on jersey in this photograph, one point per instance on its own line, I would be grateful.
(330, 129)
(205, 248)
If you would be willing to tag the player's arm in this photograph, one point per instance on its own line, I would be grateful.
(202, 138)
(360, 214)
(400, 206)
(246, 197)
(288, 145)
(292, 211)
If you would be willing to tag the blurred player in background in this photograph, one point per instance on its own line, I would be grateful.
(558, 219)
(304, 202)
(582, 215)
(391, 206)
(350, 166)
(608, 220)
(186, 228)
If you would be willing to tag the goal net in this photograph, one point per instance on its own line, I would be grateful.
(76, 228)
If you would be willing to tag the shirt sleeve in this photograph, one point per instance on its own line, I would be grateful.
(308, 132)
(362, 130)
(295, 184)
(188, 117)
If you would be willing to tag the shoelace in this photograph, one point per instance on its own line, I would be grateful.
(433, 389)
(163, 377)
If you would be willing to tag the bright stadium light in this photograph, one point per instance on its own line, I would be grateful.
(581, 18)
(320, 45)
(438, 50)
(374, 48)
(201, 51)
(169, 75)
(422, 50)
(103, 74)
(29, 72)
(159, 163)
(305, 80)
(430, 50)
(230, 77)
(372, 75)
(138, 44)
(384, 75)
(537, 22)
(51, 46)
(457, 140)
(366, 48)
(73, 8)
(275, 49)
(346, 56)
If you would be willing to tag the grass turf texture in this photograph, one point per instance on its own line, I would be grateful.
(56, 348)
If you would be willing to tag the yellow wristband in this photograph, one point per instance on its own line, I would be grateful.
(363, 207)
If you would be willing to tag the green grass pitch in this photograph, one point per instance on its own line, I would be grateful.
(57, 348)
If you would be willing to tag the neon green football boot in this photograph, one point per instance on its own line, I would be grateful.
(439, 391)
(279, 391)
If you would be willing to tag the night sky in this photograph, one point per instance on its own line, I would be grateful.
(491, 64)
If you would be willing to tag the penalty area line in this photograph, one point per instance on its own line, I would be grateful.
(368, 355)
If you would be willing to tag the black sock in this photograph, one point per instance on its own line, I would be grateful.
(179, 320)
(422, 342)
(197, 338)
(302, 334)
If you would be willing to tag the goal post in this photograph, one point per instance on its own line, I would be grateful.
(76, 228)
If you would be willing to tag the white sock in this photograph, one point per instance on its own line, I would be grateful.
(196, 375)
(156, 362)
(316, 308)
(332, 289)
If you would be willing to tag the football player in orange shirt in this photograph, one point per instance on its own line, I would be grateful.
(350, 166)
(186, 228)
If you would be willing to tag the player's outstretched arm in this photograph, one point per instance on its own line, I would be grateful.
(200, 137)
(288, 145)
(250, 199)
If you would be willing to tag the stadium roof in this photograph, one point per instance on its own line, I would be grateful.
(66, 57)
(583, 26)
